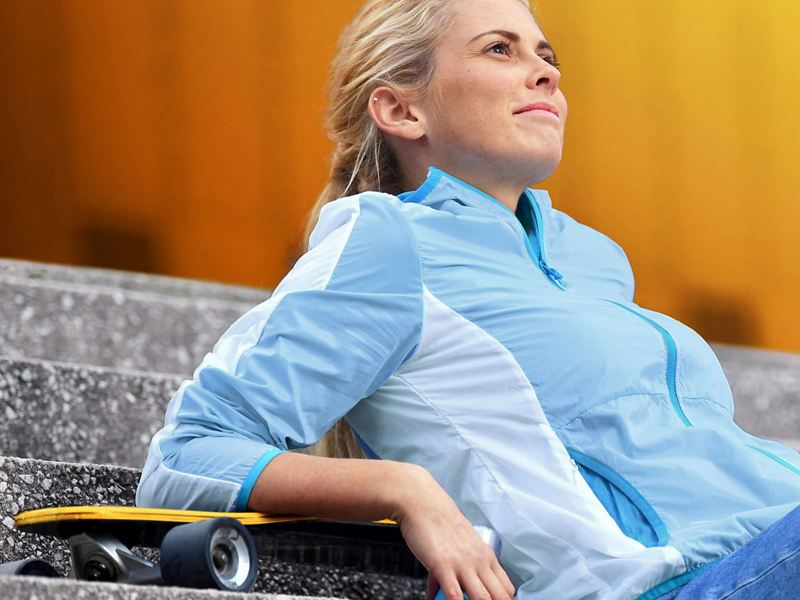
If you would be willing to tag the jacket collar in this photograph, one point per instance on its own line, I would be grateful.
(440, 186)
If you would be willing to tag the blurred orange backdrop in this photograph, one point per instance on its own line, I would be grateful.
(185, 138)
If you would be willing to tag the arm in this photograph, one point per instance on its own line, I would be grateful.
(368, 490)
(340, 323)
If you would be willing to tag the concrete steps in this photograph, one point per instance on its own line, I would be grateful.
(74, 413)
(125, 280)
(27, 484)
(89, 359)
(36, 588)
(114, 327)
(766, 391)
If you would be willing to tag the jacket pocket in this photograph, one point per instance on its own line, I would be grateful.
(635, 516)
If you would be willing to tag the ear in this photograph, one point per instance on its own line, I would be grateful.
(394, 115)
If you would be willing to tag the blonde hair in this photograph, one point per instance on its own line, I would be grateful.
(391, 43)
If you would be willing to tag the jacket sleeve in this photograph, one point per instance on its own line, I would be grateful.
(340, 323)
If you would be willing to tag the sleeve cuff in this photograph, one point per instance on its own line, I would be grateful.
(250, 481)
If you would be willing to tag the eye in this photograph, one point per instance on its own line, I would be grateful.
(500, 48)
(553, 60)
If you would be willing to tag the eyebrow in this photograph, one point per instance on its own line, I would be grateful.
(543, 45)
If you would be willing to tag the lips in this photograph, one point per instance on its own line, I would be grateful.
(546, 106)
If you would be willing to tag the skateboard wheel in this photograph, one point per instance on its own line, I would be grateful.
(217, 553)
(29, 566)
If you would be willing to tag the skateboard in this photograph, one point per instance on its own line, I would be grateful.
(207, 549)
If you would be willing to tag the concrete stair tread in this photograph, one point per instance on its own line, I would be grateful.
(122, 295)
(17, 588)
(105, 327)
(126, 280)
(100, 369)
(766, 390)
(757, 357)
(61, 411)
(793, 443)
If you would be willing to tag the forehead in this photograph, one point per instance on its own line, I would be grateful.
(473, 17)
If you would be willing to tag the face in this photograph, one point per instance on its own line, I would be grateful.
(495, 105)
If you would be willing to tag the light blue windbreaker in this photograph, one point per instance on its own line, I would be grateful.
(505, 354)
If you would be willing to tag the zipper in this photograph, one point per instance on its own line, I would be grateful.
(557, 279)
(672, 362)
(540, 259)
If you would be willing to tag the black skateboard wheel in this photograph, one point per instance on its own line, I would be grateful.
(29, 566)
(217, 553)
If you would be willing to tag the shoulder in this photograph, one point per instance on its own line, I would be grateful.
(381, 217)
(363, 238)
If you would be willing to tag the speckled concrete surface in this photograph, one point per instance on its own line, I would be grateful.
(26, 484)
(39, 588)
(156, 284)
(110, 327)
(59, 411)
(766, 390)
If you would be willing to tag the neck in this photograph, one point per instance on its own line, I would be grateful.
(504, 193)
(505, 186)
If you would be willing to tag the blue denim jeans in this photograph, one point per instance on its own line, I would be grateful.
(766, 568)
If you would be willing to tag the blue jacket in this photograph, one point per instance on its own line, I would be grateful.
(505, 354)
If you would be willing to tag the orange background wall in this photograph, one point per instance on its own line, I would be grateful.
(186, 138)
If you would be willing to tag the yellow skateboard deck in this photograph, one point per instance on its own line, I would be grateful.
(376, 547)
(45, 520)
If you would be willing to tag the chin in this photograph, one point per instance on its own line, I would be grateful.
(542, 166)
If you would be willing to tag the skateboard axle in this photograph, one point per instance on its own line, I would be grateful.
(101, 557)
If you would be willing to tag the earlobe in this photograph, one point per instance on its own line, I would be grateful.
(393, 114)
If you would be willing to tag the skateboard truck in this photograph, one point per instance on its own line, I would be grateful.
(101, 557)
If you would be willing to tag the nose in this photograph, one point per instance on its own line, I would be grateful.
(543, 75)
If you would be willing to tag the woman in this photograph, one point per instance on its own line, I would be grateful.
(484, 345)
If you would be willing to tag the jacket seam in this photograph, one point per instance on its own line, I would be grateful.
(422, 287)
(606, 401)
(510, 502)
(709, 400)
(351, 225)
(472, 450)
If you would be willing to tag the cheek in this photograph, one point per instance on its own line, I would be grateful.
(476, 92)
(462, 112)
(563, 108)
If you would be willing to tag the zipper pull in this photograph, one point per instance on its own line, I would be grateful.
(558, 278)
(554, 274)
